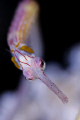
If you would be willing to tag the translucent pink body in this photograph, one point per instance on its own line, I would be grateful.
(32, 67)
(15, 25)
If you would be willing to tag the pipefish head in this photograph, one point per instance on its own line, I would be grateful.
(37, 68)
(36, 71)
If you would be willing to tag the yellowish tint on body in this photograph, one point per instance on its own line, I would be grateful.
(32, 9)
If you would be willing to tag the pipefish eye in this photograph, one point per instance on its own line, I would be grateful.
(42, 64)
(38, 63)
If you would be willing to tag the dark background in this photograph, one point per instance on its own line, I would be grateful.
(60, 29)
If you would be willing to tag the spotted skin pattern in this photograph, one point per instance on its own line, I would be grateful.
(23, 56)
